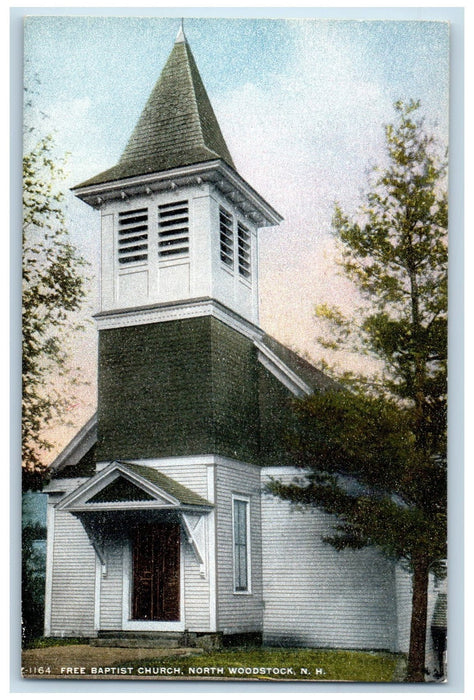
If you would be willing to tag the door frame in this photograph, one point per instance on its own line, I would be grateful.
(127, 592)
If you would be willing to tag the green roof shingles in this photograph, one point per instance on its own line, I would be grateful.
(177, 127)
(185, 496)
(314, 378)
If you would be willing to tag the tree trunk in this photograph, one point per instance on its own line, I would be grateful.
(416, 654)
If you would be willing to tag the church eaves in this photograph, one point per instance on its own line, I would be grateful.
(177, 127)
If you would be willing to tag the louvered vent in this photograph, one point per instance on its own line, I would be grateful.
(133, 236)
(243, 239)
(173, 229)
(226, 237)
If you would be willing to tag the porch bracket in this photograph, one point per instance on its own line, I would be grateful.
(100, 553)
(97, 545)
(196, 536)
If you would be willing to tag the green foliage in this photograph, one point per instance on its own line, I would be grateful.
(46, 642)
(362, 463)
(53, 289)
(33, 582)
(388, 432)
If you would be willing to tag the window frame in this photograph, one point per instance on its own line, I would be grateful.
(248, 590)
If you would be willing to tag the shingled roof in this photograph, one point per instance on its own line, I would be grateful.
(184, 495)
(177, 127)
(313, 377)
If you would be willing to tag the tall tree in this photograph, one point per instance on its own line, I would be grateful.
(388, 431)
(53, 289)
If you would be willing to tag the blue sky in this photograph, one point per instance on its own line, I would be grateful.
(301, 103)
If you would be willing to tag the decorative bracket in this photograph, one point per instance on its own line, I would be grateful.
(196, 534)
(97, 541)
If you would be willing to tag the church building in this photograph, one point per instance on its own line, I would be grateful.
(159, 525)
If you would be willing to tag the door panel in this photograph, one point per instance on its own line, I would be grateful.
(156, 572)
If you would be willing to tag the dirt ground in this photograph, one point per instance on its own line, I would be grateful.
(79, 661)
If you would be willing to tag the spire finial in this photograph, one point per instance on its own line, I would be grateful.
(180, 38)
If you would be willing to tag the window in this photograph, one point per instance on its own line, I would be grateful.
(226, 237)
(133, 236)
(243, 240)
(173, 229)
(240, 516)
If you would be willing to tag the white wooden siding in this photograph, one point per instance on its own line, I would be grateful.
(404, 598)
(196, 594)
(111, 587)
(431, 661)
(238, 612)
(319, 597)
(193, 476)
(72, 580)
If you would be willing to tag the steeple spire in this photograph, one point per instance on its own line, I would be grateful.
(180, 37)
(177, 127)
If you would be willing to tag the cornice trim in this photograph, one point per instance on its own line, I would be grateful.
(281, 371)
(172, 312)
(78, 447)
(214, 172)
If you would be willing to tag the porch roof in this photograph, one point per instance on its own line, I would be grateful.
(173, 488)
(124, 486)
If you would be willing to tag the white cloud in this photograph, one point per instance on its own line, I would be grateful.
(305, 139)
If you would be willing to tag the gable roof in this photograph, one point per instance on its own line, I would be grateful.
(147, 488)
(177, 127)
(79, 452)
(181, 493)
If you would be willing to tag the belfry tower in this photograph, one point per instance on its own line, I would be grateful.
(178, 280)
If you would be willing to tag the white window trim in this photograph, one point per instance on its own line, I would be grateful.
(245, 499)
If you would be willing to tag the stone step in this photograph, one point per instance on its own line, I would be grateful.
(138, 642)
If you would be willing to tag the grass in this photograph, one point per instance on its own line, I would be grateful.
(270, 664)
(44, 642)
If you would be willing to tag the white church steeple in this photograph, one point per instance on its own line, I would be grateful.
(179, 224)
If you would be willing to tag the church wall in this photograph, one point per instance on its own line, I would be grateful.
(111, 587)
(404, 598)
(196, 593)
(238, 612)
(316, 596)
(72, 583)
(193, 476)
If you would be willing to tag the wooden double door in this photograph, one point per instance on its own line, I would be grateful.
(156, 572)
